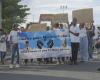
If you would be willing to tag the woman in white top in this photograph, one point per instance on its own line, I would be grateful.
(83, 43)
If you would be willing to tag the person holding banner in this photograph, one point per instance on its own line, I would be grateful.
(74, 36)
(59, 30)
(14, 45)
(64, 43)
(83, 43)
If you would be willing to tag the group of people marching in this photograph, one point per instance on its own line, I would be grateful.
(82, 39)
(83, 36)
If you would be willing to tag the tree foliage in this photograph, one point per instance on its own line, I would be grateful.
(13, 12)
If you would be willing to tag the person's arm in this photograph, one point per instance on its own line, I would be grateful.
(76, 34)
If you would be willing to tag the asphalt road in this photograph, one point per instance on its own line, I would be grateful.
(30, 77)
(82, 71)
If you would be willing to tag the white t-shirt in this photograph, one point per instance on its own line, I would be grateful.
(13, 36)
(83, 33)
(96, 33)
(76, 29)
(3, 43)
(59, 32)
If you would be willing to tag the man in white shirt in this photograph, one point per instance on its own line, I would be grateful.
(13, 37)
(74, 35)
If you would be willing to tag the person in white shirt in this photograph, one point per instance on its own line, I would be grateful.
(14, 45)
(83, 43)
(74, 36)
(97, 32)
(56, 29)
(3, 46)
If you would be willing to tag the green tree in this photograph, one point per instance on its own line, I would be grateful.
(13, 12)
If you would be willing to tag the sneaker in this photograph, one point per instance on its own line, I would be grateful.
(17, 66)
(11, 66)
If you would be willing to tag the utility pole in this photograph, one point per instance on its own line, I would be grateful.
(0, 14)
(63, 7)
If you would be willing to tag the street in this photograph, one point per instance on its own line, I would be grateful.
(82, 71)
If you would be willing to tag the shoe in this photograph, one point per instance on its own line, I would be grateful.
(11, 66)
(17, 66)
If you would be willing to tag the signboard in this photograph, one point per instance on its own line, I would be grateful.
(43, 45)
(60, 18)
(46, 17)
(37, 27)
(83, 15)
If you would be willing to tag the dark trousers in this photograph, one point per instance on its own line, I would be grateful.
(14, 51)
(75, 48)
(3, 54)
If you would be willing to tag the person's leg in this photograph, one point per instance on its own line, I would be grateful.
(13, 55)
(72, 57)
(90, 49)
(39, 60)
(59, 60)
(17, 62)
(81, 49)
(2, 58)
(45, 60)
(85, 49)
(63, 59)
(25, 61)
(51, 60)
(17, 55)
(76, 48)
(4, 55)
(13, 51)
(31, 60)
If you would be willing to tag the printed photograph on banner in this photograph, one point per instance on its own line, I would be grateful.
(43, 44)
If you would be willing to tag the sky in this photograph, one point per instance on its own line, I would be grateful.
(38, 7)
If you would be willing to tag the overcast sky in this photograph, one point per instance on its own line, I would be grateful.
(38, 7)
